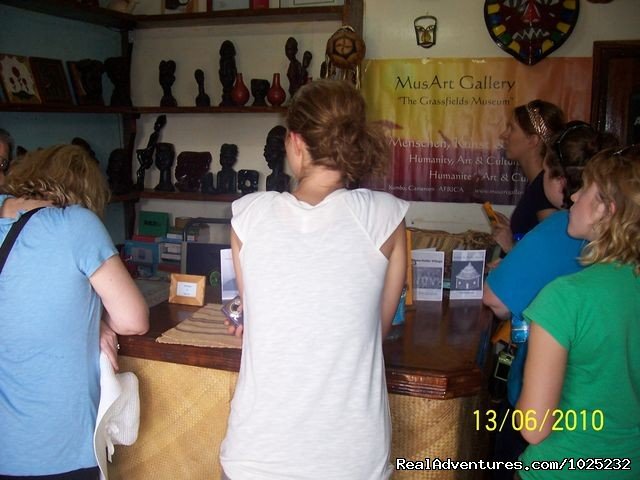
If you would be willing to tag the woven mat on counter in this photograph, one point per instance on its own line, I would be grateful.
(205, 328)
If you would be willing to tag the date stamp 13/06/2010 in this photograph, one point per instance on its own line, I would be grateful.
(528, 420)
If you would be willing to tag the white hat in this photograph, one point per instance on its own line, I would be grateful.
(118, 413)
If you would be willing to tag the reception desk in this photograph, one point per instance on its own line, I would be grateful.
(436, 377)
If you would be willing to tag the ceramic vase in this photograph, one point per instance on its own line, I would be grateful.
(276, 94)
(240, 92)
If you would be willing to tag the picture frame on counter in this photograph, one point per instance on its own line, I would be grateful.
(187, 289)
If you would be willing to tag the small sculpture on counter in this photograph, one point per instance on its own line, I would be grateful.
(81, 142)
(295, 72)
(275, 153)
(191, 169)
(248, 181)
(117, 69)
(259, 89)
(118, 175)
(145, 155)
(227, 71)
(167, 76)
(226, 180)
(202, 100)
(165, 154)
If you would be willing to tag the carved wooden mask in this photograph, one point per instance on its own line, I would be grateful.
(529, 30)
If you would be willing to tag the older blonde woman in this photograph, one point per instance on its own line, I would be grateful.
(61, 271)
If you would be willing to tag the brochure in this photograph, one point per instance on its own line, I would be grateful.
(428, 270)
(467, 273)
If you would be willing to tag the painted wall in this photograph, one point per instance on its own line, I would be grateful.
(33, 34)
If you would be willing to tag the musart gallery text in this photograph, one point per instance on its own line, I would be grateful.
(465, 82)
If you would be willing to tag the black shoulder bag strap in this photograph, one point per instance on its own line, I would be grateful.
(14, 231)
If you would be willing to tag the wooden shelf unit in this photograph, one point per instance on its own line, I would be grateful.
(349, 14)
(193, 196)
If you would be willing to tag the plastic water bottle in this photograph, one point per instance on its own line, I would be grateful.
(519, 330)
(398, 319)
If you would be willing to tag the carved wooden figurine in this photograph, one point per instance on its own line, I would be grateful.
(191, 170)
(167, 76)
(259, 89)
(165, 154)
(145, 155)
(227, 71)
(117, 69)
(119, 176)
(295, 72)
(275, 153)
(226, 180)
(202, 100)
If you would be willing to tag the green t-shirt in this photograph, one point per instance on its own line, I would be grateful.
(595, 315)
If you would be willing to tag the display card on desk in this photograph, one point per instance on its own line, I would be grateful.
(428, 270)
(467, 273)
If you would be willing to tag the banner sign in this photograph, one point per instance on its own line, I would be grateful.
(444, 118)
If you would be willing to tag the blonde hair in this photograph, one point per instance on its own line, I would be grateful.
(616, 174)
(64, 174)
(329, 115)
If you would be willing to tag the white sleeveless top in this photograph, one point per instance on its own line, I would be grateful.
(311, 398)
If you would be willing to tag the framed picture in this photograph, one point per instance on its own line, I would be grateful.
(309, 3)
(187, 289)
(17, 80)
(51, 81)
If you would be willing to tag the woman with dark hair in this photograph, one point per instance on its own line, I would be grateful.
(544, 254)
(525, 139)
(320, 271)
(61, 271)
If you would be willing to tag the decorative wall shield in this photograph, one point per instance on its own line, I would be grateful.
(530, 29)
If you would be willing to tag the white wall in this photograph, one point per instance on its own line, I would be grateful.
(388, 33)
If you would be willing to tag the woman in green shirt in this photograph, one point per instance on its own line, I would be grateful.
(580, 401)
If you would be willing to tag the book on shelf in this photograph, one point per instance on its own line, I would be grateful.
(144, 253)
(170, 256)
(155, 224)
(145, 238)
(175, 233)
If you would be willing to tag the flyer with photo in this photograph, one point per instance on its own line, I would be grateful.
(428, 271)
(467, 273)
